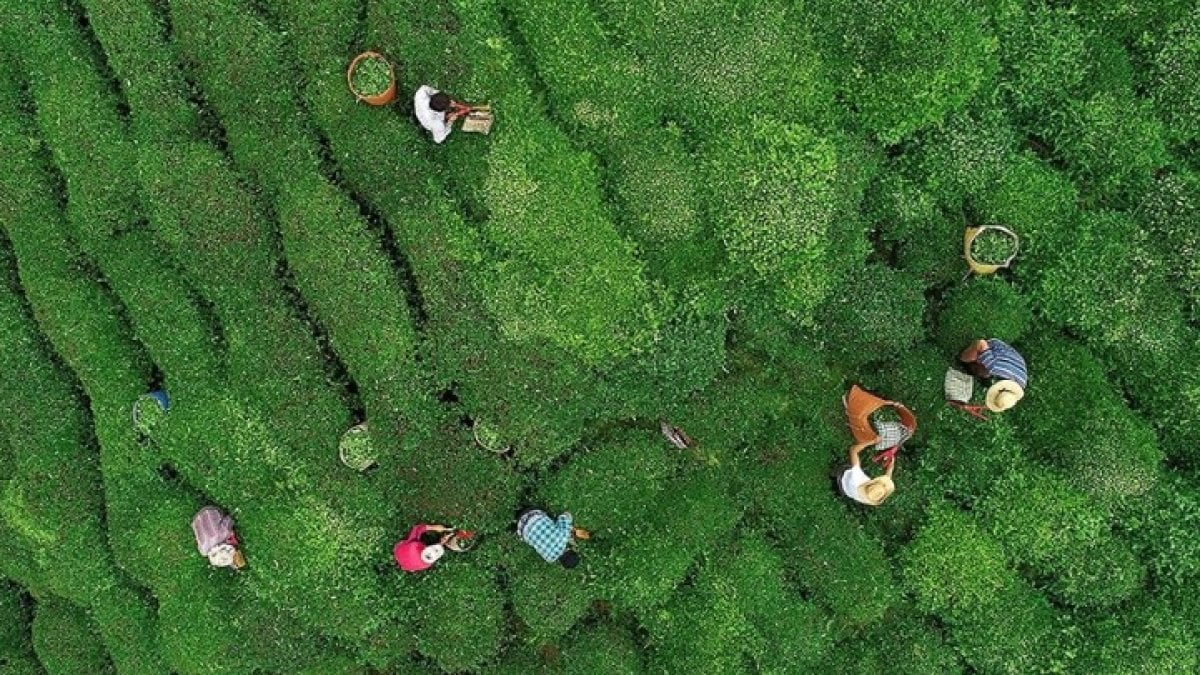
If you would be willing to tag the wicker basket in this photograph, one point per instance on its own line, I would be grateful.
(384, 98)
(351, 433)
(969, 236)
(158, 396)
(490, 448)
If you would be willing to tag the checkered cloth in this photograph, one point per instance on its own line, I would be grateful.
(891, 434)
(959, 386)
(547, 536)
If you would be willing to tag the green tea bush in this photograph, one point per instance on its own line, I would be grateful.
(700, 630)
(908, 644)
(816, 534)
(606, 309)
(751, 618)
(874, 315)
(904, 66)
(918, 233)
(642, 572)
(1107, 450)
(1133, 22)
(65, 639)
(1175, 93)
(781, 212)
(445, 599)
(16, 648)
(59, 520)
(967, 153)
(956, 571)
(711, 61)
(609, 488)
(548, 600)
(953, 567)
(787, 632)
(1044, 57)
(601, 649)
(984, 307)
(1107, 284)
(1172, 202)
(612, 96)
(1037, 202)
(1150, 638)
(1042, 522)
(1158, 526)
(1115, 145)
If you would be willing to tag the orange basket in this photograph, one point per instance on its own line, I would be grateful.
(388, 94)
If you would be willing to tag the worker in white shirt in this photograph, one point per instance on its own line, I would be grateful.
(437, 112)
(857, 485)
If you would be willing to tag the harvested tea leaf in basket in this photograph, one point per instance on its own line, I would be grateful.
(993, 247)
(372, 77)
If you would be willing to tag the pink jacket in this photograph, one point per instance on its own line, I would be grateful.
(408, 552)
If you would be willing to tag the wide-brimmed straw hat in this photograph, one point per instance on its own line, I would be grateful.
(876, 490)
(1004, 395)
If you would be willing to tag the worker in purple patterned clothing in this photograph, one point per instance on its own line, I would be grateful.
(550, 537)
(996, 360)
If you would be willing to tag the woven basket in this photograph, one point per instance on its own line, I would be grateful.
(158, 396)
(485, 446)
(977, 267)
(383, 98)
(361, 465)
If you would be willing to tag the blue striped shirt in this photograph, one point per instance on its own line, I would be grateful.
(1005, 363)
(547, 536)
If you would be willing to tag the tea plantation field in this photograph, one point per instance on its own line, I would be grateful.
(719, 213)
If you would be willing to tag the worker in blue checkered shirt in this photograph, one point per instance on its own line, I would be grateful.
(550, 537)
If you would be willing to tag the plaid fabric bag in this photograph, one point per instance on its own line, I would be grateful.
(959, 386)
(891, 434)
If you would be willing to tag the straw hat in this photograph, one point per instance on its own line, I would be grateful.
(1004, 395)
(876, 490)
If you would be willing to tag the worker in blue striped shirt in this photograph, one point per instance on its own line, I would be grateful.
(996, 360)
(550, 537)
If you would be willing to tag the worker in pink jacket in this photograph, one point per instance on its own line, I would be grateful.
(424, 546)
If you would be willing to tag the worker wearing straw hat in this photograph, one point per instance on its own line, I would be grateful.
(857, 485)
(996, 360)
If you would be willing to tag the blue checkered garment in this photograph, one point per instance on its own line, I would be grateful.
(547, 536)
(1004, 362)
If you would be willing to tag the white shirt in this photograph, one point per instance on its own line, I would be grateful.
(851, 479)
(433, 121)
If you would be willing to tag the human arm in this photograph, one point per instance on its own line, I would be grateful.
(416, 532)
(565, 521)
(971, 353)
(854, 450)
